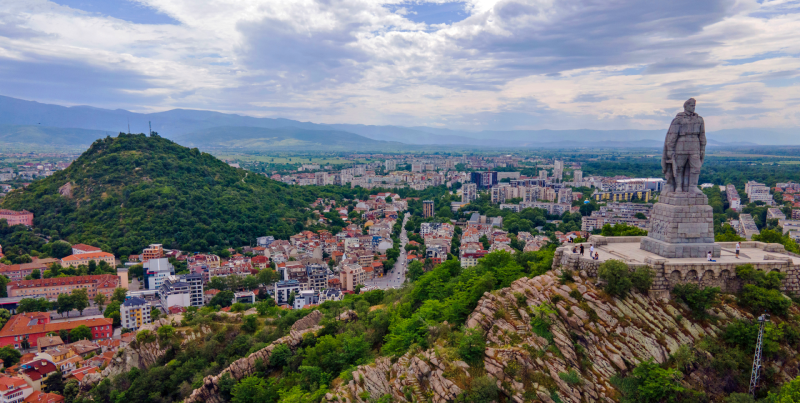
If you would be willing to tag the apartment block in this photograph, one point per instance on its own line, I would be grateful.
(134, 313)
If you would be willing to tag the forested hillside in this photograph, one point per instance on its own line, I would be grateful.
(133, 190)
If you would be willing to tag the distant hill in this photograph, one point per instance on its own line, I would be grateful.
(132, 190)
(209, 129)
(54, 136)
(254, 138)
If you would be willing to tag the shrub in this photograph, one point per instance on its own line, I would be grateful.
(471, 346)
(649, 383)
(759, 299)
(698, 299)
(572, 378)
(617, 277)
(642, 279)
(790, 393)
(280, 356)
(770, 281)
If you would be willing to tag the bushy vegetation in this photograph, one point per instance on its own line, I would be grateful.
(622, 229)
(761, 291)
(699, 300)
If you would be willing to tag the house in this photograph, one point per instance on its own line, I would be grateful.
(34, 325)
(85, 347)
(209, 294)
(34, 372)
(23, 217)
(48, 341)
(13, 389)
(80, 373)
(83, 259)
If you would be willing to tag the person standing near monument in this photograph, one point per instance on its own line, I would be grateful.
(581, 249)
(684, 150)
(738, 246)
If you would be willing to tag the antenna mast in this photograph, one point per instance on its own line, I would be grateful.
(151, 128)
(755, 374)
(129, 125)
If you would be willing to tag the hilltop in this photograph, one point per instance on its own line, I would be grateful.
(259, 138)
(128, 191)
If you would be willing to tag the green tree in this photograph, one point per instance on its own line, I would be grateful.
(33, 305)
(155, 313)
(9, 355)
(218, 283)
(642, 278)
(80, 333)
(760, 299)
(112, 311)
(267, 276)
(617, 277)
(789, 393)
(36, 274)
(64, 304)
(100, 300)
(280, 356)
(222, 299)
(649, 383)
(119, 295)
(252, 390)
(415, 270)
(3, 286)
(250, 323)
(60, 249)
(485, 242)
(71, 390)
(80, 299)
(5, 315)
(471, 346)
(54, 383)
(698, 299)
(165, 334)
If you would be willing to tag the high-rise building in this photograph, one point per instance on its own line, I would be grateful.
(156, 271)
(577, 176)
(154, 251)
(427, 208)
(565, 195)
(469, 192)
(484, 179)
(558, 170)
(391, 165)
(134, 313)
(542, 174)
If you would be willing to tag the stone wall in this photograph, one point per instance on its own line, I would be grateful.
(705, 274)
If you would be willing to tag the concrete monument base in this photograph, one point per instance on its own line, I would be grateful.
(681, 226)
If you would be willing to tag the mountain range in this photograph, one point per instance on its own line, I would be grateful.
(30, 122)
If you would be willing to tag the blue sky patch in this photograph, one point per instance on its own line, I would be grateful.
(122, 9)
(434, 13)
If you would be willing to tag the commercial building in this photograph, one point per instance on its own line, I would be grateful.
(23, 217)
(85, 258)
(134, 313)
(427, 208)
(156, 271)
(33, 325)
(50, 288)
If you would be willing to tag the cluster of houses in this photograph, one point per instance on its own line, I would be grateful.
(50, 354)
(478, 226)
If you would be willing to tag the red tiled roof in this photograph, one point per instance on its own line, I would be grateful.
(56, 281)
(27, 323)
(86, 248)
(9, 382)
(42, 397)
(83, 256)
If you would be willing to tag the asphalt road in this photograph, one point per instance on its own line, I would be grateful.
(397, 275)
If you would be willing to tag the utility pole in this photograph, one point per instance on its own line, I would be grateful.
(151, 129)
(754, 375)
(129, 126)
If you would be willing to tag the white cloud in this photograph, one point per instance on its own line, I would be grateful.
(510, 64)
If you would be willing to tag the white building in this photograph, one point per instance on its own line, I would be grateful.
(174, 292)
(134, 313)
(156, 271)
(758, 192)
(469, 192)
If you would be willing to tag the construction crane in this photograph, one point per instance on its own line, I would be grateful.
(754, 375)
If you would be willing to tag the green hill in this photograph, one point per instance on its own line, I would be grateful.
(133, 190)
(260, 138)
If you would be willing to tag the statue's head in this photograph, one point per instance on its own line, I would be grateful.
(689, 105)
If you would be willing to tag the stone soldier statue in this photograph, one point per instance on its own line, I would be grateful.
(684, 150)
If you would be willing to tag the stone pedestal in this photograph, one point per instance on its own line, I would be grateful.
(681, 226)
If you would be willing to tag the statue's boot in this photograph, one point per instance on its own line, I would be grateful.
(693, 179)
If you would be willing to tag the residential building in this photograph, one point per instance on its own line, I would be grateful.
(16, 272)
(154, 251)
(85, 258)
(469, 192)
(43, 397)
(195, 281)
(775, 213)
(390, 165)
(23, 217)
(484, 179)
(623, 196)
(245, 297)
(265, 241)
(577, 177)
(565, 195)
(758, 192)
(795, 214)
(13, 389)
(734, 201)
(174, 292)
(43, 343)
(306, 297)
(50, 288)
(134, 313)
(283, 289)
(34, 372)
(156, 270)
(352, 275)
(470, 259)
(427, 208)
(34, 325)
(747, 227)
(558, 170)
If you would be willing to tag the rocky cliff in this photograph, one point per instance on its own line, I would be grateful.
(549, 342)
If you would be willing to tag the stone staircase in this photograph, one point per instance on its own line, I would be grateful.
(411, 378)
(515, 319)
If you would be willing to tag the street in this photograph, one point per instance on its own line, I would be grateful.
(397, 275)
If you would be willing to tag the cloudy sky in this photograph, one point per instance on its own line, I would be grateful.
(474, 64)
